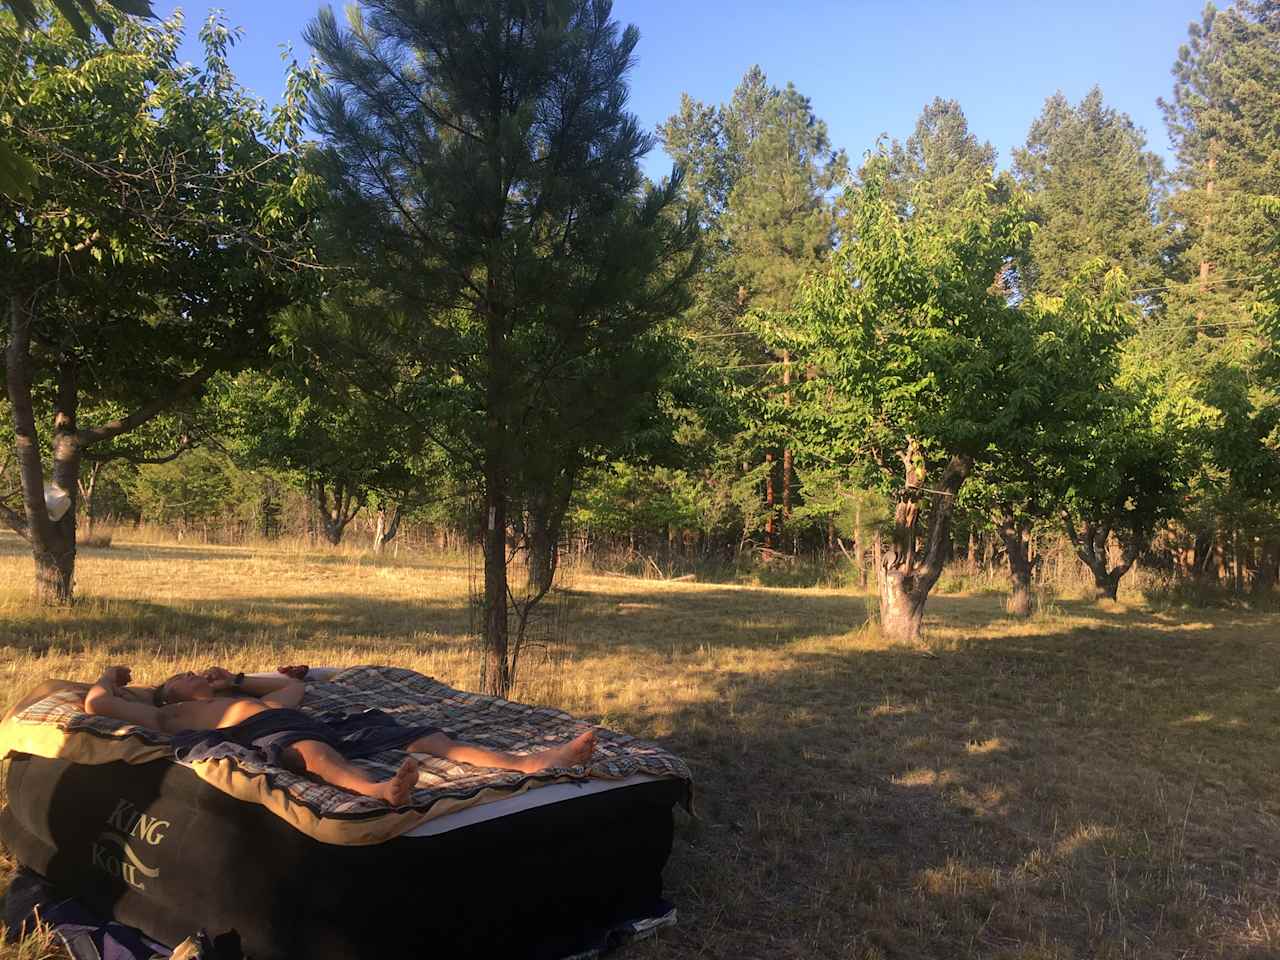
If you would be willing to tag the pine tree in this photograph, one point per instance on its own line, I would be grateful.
(761, 172)
(937, 165)
(1222, 120)
(1208, 344)
(486, 173)
(1094, 188)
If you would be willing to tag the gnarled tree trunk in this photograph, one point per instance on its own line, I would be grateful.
(385, 531)
(53, 542)
(1017, 546)
(905, 579)
(546, 511)
(336, 512)
(1090, 543)
(87, 488)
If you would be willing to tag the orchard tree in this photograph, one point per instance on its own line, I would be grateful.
(1065, 358)
(17, 172)
(913, 349)
(162, 233)
(1126, 485)
(326, 434)
(486, 172)
(1093, 187)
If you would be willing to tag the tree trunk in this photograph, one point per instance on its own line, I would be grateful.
(901, 606)
(1013, 533)
(787, 462)
(1264, 578)
(1204, 550)
(87, 489)
(546, 520)
(335, 515)
(53, 543)
(497, 675)
(857, 545)
(384, 531)
(1237, 567)
(1090, 543)
(905, 579)
(770, 499)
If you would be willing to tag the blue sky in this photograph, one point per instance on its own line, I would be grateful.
(867, 66)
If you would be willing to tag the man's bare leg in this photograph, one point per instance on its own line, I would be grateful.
(321, 760)
(570, 754)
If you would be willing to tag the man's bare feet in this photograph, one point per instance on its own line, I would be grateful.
(396, 790)
(576, 751)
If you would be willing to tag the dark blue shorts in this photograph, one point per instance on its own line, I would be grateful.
(271, 732)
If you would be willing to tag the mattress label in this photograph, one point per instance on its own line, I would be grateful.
(113, 850)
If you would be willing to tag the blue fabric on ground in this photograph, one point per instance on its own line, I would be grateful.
(86, 936)
(269, 733)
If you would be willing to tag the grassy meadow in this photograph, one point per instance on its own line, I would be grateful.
(1097, 782)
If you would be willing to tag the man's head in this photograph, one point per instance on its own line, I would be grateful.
(182, 687)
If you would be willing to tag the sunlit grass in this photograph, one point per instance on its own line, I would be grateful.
(1099, 781)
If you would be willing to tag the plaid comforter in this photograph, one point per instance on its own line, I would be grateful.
(58, 726)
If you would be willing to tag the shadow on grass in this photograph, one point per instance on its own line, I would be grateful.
(1021, 796)
(121, 625)
(12, 546)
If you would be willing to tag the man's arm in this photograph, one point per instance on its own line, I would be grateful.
(288, 693)
(278, 691)
(105, 699)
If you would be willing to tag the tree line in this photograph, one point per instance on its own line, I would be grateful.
(459, 296)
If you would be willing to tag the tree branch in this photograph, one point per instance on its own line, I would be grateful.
(186, 389)
(15, 522)
(185, 444)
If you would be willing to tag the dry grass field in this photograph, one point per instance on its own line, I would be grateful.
(1098, 782)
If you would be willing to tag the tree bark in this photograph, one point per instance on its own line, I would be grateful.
(857, 544)
(546, 520)
(87, 489)
(1090, 543)
(787, 461)
(53, 544)
(770, 499)
(1013, 533)
(386, 531)
(1268, 571)
(1202, 557)
(905, 579)
(497, 673)
(337, 513)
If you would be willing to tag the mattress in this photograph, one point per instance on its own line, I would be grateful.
(547, 873)
(56, 727)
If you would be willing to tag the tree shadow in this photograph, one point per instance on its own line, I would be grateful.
(119, 626)
(1018, 791)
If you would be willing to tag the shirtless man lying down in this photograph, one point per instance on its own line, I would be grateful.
(205, 709)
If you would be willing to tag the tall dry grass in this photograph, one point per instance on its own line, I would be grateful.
(1098, 781)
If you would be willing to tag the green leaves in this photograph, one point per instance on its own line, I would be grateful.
(914, 347)
(28, 14)
(1094, 188)
(17, 173)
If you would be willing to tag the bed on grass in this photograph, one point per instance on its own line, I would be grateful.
(478, 862)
